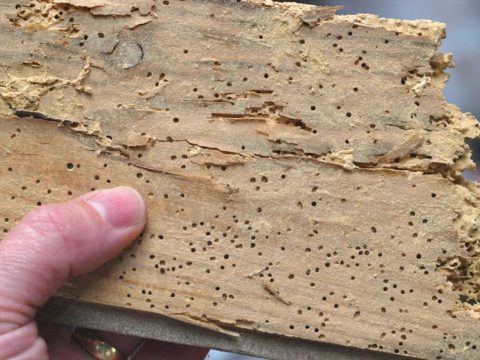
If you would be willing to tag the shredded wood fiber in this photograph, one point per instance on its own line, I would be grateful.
(302, 169)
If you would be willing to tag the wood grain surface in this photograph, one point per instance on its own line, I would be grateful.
(302, 169)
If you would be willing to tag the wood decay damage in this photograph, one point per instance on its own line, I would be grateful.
(302, 169)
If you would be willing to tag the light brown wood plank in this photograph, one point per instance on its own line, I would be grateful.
(302, 169)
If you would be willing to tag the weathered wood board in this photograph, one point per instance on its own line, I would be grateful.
(302, 169)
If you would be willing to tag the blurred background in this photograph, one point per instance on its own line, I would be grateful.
(463, 40)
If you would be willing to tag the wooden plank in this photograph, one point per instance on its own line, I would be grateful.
(153, 326)
(302, 170)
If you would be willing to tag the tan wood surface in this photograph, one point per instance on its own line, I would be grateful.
(302, 169)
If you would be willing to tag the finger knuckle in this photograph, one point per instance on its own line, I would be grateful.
(48, 220)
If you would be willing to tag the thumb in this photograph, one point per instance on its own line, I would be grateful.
(52, 243)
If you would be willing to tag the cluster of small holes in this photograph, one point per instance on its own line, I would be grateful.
(240, 229)
(38, 12)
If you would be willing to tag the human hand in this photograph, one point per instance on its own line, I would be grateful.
(53, 243)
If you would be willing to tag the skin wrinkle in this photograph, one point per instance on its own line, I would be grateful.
(18, 341)
(38, 351)
(13, 313)
(20, 264)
